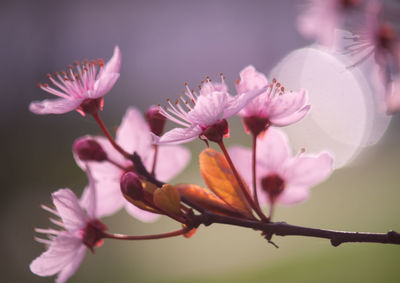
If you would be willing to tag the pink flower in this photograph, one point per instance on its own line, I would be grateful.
(199, 112)
(321, 17)
(280, 177)
(81, 230)
(133, 135)
(80, 90)
(275, 106)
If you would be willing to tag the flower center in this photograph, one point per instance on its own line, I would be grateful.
(386, 36)
(273, 185)
(73, 84)
(93, 234)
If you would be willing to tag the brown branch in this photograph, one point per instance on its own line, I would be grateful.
(284, 229)
(274, 228)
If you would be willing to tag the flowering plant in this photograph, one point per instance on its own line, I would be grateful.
(134, 170)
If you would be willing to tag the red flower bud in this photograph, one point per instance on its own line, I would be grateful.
(131, 186)
(155, 120)
(89, 150)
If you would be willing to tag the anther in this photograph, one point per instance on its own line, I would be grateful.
(76, 63)
(48, 76)
(45, 85)
(273, 80)
(70, 67)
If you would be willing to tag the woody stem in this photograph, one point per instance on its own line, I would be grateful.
(146, 237)
(107, 134)
(253, 164)
(242, 186)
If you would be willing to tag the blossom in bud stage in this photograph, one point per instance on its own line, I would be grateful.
(133, 135)
(155, 120)
(131, 186)
(321, 17)
(82, 89)
(280, 177)
(203, 110)
(88, 149)
(81, 230)
(275, 106)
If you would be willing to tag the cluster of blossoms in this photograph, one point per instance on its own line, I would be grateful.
(375, 31)
(125, 171)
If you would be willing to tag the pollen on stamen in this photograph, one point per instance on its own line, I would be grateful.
(199, 87)
(177, 102)
(274, 81)
(93, 62)
(70, 67)
(39, 85)
(84, 62)
(100, 62)
(76, 63)
(48, 76)
(45, 85)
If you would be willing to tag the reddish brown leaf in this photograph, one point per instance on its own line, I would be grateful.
(167, 198)
(206, 199)
(219, 177)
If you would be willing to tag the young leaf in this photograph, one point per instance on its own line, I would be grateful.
(206, 199)
(168, 199)
(220, 179)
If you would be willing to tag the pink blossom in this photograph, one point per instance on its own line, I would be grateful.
(320, 18)
(198, 112)
(133, 135)
(80, 230)
(275, 106)
(280, 177)
(82, 89)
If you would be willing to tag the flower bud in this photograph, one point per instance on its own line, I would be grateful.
(155, 120)
(131, 186)
(217, 131)
(89, 150)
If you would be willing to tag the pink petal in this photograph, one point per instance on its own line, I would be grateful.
(393, 96)
(62, 252)
(250, 79)
(90, 203)
(308, 170)
(273, 151)
(171, 160)
(241, 100)
(109, 198)
(54, 106)
(178, 135)
(292, 195)
(71, 213)
(72, 267)
(241, 157)
(291, 119)
(140, 214)
(114, 64)
(286, 104)
(209, 109)
(134, 133)
(102, 86)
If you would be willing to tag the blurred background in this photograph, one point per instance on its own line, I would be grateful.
(164, 44)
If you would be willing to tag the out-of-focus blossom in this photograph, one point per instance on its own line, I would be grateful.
(320, 18)
(82, 89)
(275, 106)
(81, 230)
(133, 135)
(379, 36)
(202, 111)
(280, 177)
